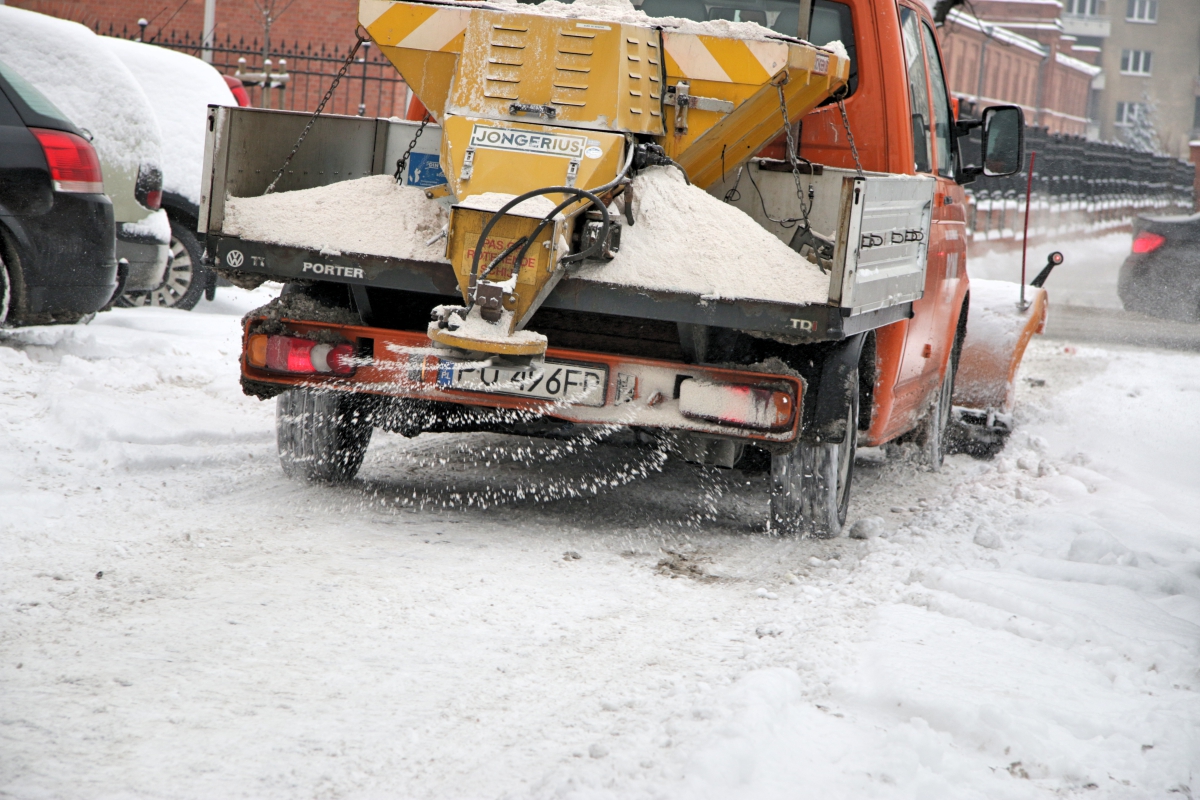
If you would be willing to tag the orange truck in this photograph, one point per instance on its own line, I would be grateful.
(741, 228)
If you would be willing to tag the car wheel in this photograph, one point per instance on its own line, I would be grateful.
(5, 291)
(935, 432)
(186, 278)
(321, 436)
(810, 487)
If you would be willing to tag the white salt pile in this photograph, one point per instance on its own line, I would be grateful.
(686, 240)
(370, 216)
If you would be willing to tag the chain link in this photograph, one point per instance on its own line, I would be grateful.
(850, 136)
(402, 162)
(791, 148)
(321, 107)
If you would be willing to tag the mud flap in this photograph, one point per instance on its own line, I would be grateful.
(839, 381)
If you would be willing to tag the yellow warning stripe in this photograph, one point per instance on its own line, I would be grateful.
(711, 58)
(413, 26)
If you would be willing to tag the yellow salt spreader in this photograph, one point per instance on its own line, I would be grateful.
(546, 118)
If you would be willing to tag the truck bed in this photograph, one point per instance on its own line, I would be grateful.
(247, 146)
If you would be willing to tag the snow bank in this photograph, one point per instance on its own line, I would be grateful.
(1087, 276)
(71, 66)
(370, 216)
(180, 88)
(685, 240)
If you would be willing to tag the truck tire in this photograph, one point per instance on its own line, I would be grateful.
(186, 280)
(321, 436)
(810, 487)
(936, 433)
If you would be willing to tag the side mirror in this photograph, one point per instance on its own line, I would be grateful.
(1003, 141)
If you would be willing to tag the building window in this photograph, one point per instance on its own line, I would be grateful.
(1087, 8)
(1135, 62)
(1129, 113)
(1141, 11)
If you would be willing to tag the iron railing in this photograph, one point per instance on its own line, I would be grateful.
(1079, 188)
(295, 77)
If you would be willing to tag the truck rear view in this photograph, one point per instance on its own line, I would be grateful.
(581, 246)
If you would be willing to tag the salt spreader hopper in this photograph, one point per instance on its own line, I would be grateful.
(543, 118)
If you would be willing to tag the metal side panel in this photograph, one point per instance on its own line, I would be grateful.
(887, 263)
(796, 324)
(212, 173)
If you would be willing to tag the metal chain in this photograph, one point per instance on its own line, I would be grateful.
(402, 162)
(321, 107)
(850, 136)
(791, 148)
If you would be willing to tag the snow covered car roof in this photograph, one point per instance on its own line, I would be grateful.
(68, 64)
(180, 88)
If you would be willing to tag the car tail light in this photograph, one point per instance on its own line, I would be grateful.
(148, 189)
(238, 89)
(1147, 242)
(300, 356)
(751, 407)
(74, 166)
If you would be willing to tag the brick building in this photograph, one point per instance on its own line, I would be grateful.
(1026, 61)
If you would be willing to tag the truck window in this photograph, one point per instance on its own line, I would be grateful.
(829, 22)
(918, 90)
(943, 144)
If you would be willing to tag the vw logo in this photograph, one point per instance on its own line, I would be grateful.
(234, 258)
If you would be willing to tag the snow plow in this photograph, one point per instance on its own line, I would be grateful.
(607, 218)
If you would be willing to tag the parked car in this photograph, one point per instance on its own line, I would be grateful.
(57, 235)
(1161, 277)
(70, 66)
(180, 88)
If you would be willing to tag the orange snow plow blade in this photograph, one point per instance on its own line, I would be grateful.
(998, 331)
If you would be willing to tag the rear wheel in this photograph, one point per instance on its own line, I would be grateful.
(322, 436)
(5, 291)
(810, 487)
(186, 279)
(935, 431)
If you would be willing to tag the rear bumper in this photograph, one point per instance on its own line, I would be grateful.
(147, 261)
(639, 392)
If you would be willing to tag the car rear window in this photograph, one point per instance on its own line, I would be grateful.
(29, 94)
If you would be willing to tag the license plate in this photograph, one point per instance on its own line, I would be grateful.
(575, 384)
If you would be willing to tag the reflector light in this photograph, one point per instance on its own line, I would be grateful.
(751, 407)
(1147, 242)
(304, 356)
(74, 166)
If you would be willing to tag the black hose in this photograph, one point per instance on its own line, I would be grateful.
(570, 190)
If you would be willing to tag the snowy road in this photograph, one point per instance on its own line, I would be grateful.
(177, 620)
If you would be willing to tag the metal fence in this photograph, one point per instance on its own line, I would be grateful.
(296, 77)
(1079, 188)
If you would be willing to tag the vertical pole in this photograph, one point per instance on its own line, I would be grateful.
(362, 100)
(210, 24)
(1025, 236)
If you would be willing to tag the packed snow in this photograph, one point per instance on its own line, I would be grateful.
(180, 88)
(486, 616)
(369, 216)
(72, 67)
(685, 240)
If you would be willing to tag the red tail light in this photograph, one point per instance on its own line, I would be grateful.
(74, 166)
(148, 189)
(238, 89)
(301, 356)
(1147, 242)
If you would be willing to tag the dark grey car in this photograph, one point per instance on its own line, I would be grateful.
(1161, 277)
